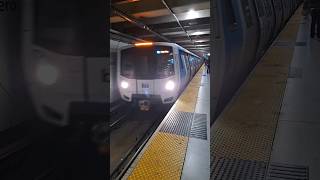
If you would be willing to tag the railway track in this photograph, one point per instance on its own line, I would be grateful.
(118, 112)
(122, 116)
(137, 146)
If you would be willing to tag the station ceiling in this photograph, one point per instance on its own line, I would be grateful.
(185, 22)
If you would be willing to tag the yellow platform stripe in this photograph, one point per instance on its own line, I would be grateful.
(163, 159)
(165, 154)
(246, 128)
(187, 100)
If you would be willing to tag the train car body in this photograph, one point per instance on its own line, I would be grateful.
(243, 31)
(153, 73)
(114, 91)
(66, 77)
(60, 84)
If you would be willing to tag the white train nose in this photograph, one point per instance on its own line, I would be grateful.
(145, 87)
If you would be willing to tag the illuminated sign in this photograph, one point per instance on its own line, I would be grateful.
(163, 52)
(144, 44)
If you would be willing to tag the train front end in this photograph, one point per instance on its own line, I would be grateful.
(147, 74)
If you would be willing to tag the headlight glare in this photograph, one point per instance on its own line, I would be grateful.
(170, 85)
(124, 84)
(47, 74)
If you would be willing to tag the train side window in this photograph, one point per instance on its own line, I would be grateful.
(230, 13)
(186, 58)
(182, 62)
(191, 60)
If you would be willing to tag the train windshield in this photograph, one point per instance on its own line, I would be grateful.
(150, 62)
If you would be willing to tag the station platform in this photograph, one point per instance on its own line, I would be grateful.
(271, 127)
(179, 148)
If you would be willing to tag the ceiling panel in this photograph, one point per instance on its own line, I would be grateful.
(151, 20)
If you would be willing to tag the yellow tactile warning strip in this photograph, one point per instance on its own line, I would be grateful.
(164, 156)
(245, 130)
(187, 100)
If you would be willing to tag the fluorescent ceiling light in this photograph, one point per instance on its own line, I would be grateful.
(200, 45)
(192, 14)
(144, 44)
(197, 33)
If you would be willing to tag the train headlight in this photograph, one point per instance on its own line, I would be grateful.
(124, 84)
(47, 74)
(170, 85)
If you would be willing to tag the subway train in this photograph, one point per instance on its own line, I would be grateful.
(114, 92)
(154, 73)
(242, 32)
(67, 78)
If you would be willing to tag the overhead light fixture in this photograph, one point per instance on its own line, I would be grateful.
(201, 45)
(208, 54)
(163, 52)
(197, 33)
(192, 14)
(144, 44)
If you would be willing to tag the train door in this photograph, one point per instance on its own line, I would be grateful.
(191, 60)
(186, 59)
(183, 69)
(191, 66)
(199, 62)
(195, 64)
